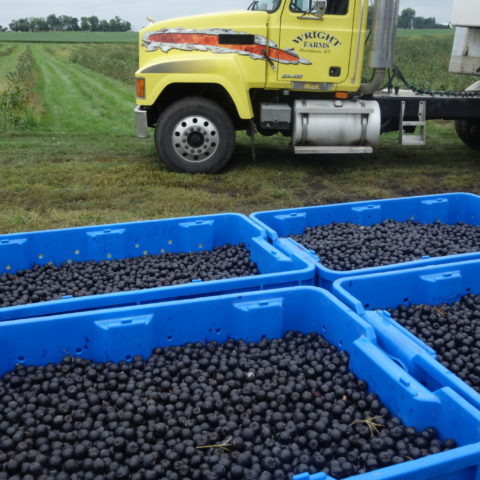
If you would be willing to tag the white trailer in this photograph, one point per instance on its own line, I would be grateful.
(466, 47)
(466, 59)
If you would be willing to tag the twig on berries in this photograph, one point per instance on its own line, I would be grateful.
(371, 424)
(225, 445)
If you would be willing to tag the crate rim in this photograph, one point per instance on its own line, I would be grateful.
(270, 230)
(6, 236)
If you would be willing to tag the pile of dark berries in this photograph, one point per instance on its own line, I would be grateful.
(452, 330)
(51, 282)
(348, 246)
(212, 411)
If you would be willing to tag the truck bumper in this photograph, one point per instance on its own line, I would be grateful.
(141, 122)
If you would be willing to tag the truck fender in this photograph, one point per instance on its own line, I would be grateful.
(222, 71)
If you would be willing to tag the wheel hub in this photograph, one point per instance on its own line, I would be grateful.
(195, 138)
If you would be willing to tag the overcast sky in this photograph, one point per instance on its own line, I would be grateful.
(135, 11)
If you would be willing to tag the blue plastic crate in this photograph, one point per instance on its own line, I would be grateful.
(448, 208)
(22, 251)
(370, 295)
(120, 333)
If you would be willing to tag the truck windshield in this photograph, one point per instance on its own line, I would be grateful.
(264, 5)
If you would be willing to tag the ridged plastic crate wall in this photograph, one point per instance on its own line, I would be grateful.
(117, 334)
(446, 208)
(22, 251)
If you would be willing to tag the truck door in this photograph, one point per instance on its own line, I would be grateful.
(322, 45)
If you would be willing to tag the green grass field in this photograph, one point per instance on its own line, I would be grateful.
(80, 162)
(401, 32)
(69, 37)
(132, 37)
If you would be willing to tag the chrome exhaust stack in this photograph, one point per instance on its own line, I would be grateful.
(384, 29)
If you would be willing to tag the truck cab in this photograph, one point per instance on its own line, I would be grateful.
(200, 78)
(288, 66)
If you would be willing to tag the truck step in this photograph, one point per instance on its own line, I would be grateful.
(414, 139)
(413, 124)
(319, 150)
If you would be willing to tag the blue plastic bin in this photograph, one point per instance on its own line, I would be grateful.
(120, 333)
(448, 208)
(370, 295)
(22, 251)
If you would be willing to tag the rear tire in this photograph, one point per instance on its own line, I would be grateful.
(195, 135)
(469, 132)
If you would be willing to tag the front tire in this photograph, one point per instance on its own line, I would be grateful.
(195, 135)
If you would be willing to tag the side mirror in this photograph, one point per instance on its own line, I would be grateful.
(319, 8)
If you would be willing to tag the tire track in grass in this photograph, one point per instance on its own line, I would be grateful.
(78, 100)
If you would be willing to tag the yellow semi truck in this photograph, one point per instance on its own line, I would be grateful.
(289, 66)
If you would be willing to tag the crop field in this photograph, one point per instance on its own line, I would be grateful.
(69, 37)
(69, 155)
(401, 32)
(132, 37)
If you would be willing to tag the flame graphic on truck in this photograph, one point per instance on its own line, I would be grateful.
(220, 41)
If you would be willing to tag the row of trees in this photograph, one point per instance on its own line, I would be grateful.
(408, 19)
(66, 23)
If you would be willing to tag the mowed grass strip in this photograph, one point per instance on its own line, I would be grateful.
(75, 99)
